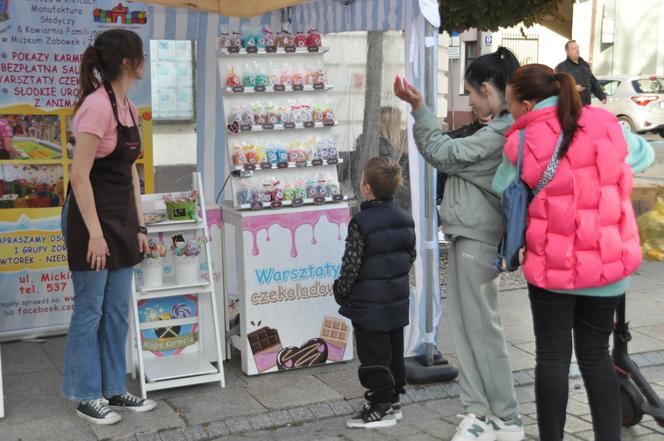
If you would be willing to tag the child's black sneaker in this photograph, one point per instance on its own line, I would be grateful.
(396, 408)
(127, 401)
(373, 416)
(97, 412)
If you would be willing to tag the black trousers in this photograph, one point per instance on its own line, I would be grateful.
(588, 321)
(382, 370)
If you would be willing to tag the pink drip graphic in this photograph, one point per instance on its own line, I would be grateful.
(213, 216)
(293, 221)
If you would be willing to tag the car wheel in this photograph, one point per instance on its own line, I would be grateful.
(626, 123)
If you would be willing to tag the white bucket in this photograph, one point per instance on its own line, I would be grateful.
(186, 269)
(153, 273)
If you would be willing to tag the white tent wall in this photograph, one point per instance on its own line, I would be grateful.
(328, 16)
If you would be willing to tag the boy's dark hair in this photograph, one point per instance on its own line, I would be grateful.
(383, 175)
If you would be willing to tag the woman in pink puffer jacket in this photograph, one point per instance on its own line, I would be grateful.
(582, 242)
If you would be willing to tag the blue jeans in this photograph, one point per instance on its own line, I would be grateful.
(95, 352)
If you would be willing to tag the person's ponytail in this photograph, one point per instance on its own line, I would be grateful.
(88, 80)
(568, 110)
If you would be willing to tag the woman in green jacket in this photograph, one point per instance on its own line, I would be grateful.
(471, 217)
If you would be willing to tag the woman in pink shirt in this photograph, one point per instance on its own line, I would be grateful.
(102, 220)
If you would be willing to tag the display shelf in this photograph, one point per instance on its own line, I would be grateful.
(165, 289)
(169, 323)
(168, 226)
(327, 200)
(279, 166)
(166, 370)
(177, 366)
(277, 127)
(249, 90)
(279, 51)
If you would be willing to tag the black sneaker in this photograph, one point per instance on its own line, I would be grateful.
(396, 407)
(97, 412)
(373, 416)
(127, 401)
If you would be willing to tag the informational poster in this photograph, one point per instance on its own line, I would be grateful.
(41, 45)
(288, 313)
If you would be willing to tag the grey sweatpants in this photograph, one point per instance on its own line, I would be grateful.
(486, 383)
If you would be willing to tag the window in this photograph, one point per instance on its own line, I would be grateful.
(649, 85)
(609, 86)
(172, 76)
(470, 54)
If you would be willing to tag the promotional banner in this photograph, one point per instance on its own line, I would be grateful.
(41, 45)
(288, 314)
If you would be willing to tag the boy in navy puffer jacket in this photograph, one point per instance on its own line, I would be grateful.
(373, 291)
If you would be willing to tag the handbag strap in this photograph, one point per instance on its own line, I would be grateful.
(519, 157)
(550, 170)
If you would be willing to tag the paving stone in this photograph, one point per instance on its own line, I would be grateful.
(401, 430)
(341, 407)
(300, 414)
(148, 436)
(280, 418)
(196, 409)
(419, 394)
(438, 392)
(574, 424)
(452, 389)
(321, 410)
(405, 399)
(446, 408)
(126, 438)
(196, 432)
(357, 404)
(216, 429)
(238, 425)
(173, 435)
(260, 422)
(277, 392)
(528, 408)
(163, 417)
(523, 378)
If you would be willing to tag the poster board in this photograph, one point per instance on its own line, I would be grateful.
(42, 44)
(280, 280)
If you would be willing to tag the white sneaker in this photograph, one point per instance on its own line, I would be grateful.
(511, 430)
(474, 429)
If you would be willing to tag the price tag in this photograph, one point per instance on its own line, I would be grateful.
(319, 86)
(246, 127)
(266, 165)
(259, 89)
(282, 165)
(289, 125)
(319, 200)
(252, 50)
(312, 48)
(250, 167)
(257, 206)
(301, 164)
(233, 50)
(238, 89)
(270, 49)
(276, 204)
(298, 202)
(298, 87)
(279, 88)
(290, 49)
(268, 126)
(333, 161)
(317, 162)
(337, 197)
(309, 124)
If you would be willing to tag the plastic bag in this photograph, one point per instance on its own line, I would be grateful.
(651, 232)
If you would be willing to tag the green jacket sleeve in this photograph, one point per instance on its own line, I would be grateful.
(461, 156)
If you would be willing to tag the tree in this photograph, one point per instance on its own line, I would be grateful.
(458, 15)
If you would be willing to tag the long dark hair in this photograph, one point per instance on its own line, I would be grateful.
(496, 68)
(103, 60)
(535, 82)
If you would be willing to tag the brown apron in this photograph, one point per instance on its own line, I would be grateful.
(113, 191)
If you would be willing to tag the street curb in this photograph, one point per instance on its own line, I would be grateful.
(294, 416)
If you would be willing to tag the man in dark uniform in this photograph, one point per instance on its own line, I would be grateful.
(586, 83)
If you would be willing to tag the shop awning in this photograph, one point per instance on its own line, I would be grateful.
(231, 8)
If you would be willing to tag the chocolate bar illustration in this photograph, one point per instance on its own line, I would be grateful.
(265, 345)
(335, 333)
(312, 352)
